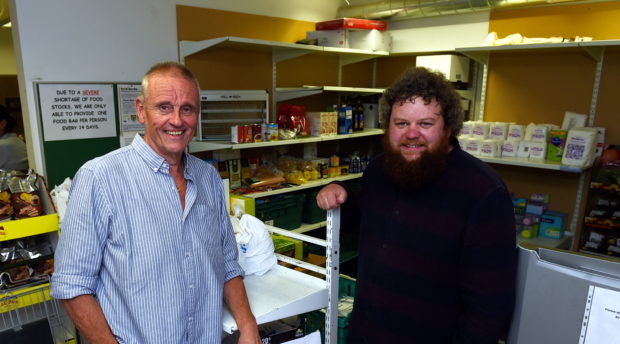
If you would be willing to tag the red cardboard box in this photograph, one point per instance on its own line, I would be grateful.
(352, 23)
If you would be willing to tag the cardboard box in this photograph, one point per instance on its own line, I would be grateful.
(330, 38)
(351, 23)
(374, 40)
(244, 204)
(454, 67)
(322, 123)
(552, 225)
(234, 172)
(354, 39)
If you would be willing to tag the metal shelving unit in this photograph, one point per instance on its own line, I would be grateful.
(202, 146)
(22, 306)
(594, 49)
(284, 292)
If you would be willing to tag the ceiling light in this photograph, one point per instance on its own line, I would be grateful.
(7, 24)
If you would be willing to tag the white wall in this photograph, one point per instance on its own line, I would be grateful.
(441, 33)
(111, 41)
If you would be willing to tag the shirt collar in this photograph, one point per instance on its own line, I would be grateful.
(153, 160)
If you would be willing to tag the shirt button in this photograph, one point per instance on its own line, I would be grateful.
(384, 245)
(154, 169)
(396, 212)
(191, 286)
(190, 318)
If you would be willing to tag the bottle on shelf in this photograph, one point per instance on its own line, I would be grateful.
(355, 164)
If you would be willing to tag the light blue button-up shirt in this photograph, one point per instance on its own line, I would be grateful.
(157, 270)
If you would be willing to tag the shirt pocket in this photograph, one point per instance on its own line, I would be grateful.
(207, 226)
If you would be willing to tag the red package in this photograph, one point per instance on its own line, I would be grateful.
(284, 111)
(297, 120)
(352, 23)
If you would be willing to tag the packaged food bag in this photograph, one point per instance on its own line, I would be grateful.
(580, 147)
(256, 246)
(25, 194)
(6, 208)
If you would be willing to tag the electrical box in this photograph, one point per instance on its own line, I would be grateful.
(220, 110)
(454, 67)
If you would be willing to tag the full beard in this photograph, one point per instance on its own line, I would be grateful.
(413, 174)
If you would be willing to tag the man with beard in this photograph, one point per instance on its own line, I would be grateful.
(437, 258)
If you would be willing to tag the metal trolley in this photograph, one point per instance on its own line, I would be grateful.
(29, 314)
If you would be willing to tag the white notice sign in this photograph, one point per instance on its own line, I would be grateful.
(77, 111)
(127, 95)
(601, 318)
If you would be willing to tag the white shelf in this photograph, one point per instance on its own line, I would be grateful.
(593, 48)
(202, 146)
(534, 164)
(306, 227)
(280, 293)
(308, 185)
(281, 50)
(564, 243)
(283, 94)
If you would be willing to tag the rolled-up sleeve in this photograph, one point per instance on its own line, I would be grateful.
(82, 239)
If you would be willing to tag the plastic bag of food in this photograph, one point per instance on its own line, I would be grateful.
(6, 208)
(258, 247)
(25, 195)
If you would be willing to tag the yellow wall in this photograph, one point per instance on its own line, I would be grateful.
(540, 86)
(226, 68)
(7, 54)
(596, 20)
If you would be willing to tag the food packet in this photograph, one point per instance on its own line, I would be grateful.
(25, 195)
(6, 208)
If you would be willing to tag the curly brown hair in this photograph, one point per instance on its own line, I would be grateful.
(428, 85)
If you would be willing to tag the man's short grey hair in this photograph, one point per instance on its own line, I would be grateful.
(164, 68)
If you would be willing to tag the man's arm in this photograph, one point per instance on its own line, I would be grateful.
(237, 301)
(88, 317)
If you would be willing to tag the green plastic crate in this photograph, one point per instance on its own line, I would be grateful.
(283, 211)
(311, 211)
(316, 320)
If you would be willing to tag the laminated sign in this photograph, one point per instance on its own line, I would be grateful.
(77, 111)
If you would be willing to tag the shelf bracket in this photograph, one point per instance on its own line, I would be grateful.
(481, 57)
(283, 54)
(595, 52)
(350, 59)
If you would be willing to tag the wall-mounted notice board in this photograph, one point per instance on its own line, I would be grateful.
(78, 123)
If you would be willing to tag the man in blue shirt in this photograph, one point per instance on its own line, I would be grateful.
(147, 252)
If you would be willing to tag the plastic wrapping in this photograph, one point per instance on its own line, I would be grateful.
(25, 194)
(6, 208)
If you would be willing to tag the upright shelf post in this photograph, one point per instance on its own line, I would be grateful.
(333, 274)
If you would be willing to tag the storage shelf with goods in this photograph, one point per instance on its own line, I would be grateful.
(309, 185)
(523, 162)
(538, 83)
(203, 146)
(26, 301)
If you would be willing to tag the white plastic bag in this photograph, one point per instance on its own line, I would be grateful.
(60, 197)
(257, 246)
(240, 236)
